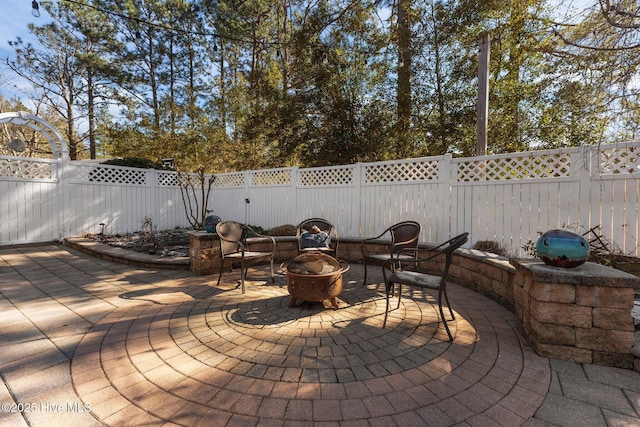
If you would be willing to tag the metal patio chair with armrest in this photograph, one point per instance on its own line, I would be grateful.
(397, 274)
(233, 245)
(403, 235)
(325, 238)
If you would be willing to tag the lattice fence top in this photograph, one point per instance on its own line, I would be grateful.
(25, 169)
(515, 167)
(168, 179)
(230, 180)
(326, 176)
(112, 175)
(421, 170)
(271, 177)
(194, 180)
(619, 160)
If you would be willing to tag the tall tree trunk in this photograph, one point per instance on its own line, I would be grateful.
(71, 135)
(223, 93)
(91, 111)
(172, 86)
(192, 86)
(404, 146)
(153, 82)
(442, 113)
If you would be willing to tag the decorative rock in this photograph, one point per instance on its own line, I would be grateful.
(562, 248)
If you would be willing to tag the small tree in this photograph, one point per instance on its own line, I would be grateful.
(195, 189)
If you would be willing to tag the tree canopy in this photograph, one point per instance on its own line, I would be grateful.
(230, 85)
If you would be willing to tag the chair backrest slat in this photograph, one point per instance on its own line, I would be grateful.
(232, 236)
(404, 235)
(323, 225)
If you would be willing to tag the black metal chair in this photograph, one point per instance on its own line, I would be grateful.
(401, 276)
(403, 235)
(233, 245)
(325, 241)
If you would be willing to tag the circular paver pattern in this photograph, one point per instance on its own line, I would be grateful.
(196, 353)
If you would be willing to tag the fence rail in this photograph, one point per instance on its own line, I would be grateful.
(507, 198)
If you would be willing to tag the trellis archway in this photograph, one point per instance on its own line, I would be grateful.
(59, 147)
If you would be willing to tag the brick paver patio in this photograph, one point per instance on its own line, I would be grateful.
(92, 342)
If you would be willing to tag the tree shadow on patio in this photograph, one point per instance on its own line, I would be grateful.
(167, 295)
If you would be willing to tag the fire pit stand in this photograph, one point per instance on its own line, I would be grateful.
(314, 277)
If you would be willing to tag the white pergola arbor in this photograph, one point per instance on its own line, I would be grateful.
(59, 146)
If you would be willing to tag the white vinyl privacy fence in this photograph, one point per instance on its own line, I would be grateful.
(508, 198)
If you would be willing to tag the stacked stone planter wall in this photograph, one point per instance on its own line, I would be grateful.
(204, 251)
(581, 314)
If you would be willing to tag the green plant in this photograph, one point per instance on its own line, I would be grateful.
(490, 246)
(530, 249)
(283, 230)
(137, 162)
(258, 230)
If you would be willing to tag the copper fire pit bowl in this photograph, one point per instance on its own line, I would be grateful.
(314, 277)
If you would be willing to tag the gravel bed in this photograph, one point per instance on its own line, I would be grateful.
(169, 243)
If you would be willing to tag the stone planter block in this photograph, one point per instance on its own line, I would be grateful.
(581, 314)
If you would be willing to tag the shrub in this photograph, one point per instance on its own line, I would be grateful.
(490, 246)
(283, 230)
(137, 162)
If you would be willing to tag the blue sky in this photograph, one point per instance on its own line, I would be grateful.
(15, 15)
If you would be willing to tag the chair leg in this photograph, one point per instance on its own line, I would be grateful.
(399, 293)
(365, 272)
(446, 298)
(221, 269)
(273, 278)
(444, 321)
(243, 273)
(388, 287)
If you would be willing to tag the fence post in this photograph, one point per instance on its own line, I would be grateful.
(152, 185)
(63, 201)
(582, 169)
(446, 178)
(356, 201)
(295, 173)
(247, 199)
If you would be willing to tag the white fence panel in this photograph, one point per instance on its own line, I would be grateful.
(329, 193)
(229, 204)
(618, 216)
(29, 200)
(227, 199)
(410, 189)
(508, 198)
(331, 203)
(385, 205)
(617, 180)
(271, 196)
(121, 198)
(169, 211)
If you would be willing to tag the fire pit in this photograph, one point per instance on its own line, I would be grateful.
(314, 277)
